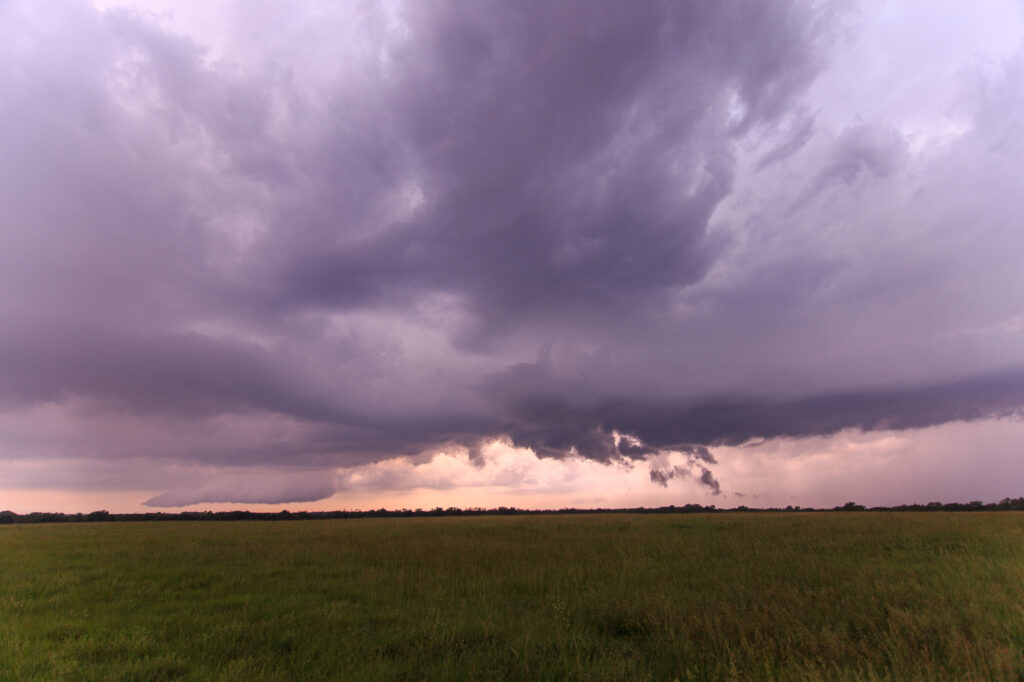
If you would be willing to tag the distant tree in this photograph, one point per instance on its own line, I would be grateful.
(101, 515)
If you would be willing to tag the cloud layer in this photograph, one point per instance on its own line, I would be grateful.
(317, 237)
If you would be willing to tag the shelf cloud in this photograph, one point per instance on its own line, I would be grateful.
(323, 236)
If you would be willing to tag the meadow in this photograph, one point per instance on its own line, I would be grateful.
(834, 596)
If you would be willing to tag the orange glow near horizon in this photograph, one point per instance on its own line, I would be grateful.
(877, 468)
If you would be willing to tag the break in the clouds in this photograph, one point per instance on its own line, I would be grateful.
(250, 238)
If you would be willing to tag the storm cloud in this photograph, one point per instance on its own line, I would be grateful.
(315, 236)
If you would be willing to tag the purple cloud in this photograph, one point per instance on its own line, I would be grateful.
(549, 221)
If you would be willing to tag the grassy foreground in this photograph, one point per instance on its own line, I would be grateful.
(729, 596)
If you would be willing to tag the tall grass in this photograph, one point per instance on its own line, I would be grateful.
(691, 597)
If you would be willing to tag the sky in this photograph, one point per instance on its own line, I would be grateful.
(543, 254)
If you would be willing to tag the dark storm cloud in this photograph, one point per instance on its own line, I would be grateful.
(155, 373)
(587, 429)
(364, 222)
(566, 160)
(697, 456)
(549, 426)
(569, 156)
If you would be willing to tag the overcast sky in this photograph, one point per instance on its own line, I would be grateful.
(541, 253)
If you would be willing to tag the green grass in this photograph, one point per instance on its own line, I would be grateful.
(731, 596)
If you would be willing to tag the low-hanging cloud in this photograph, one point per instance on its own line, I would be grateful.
(266, 487)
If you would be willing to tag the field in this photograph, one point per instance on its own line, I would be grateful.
(625, 597)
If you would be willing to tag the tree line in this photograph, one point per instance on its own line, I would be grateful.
(9, 517)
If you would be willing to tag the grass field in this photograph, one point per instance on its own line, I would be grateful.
(729, 596)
